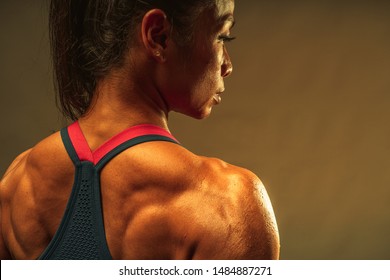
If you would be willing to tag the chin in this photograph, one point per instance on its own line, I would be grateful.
(202, 117)
(204, 113)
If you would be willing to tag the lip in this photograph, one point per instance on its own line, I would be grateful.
(217, 98)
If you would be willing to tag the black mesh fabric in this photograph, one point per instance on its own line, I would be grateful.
(80, 236)
(80, 241)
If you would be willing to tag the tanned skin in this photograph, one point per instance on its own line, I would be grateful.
(160, 201)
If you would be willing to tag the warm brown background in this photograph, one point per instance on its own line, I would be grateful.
(307, 109)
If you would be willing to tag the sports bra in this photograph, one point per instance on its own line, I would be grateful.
(81, 232)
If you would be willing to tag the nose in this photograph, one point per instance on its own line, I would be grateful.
(227, 66)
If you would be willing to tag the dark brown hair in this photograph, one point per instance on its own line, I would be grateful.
(89, 38)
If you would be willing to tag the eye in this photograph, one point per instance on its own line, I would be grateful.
(226, 38)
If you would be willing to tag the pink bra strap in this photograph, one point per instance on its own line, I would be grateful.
(84, 152)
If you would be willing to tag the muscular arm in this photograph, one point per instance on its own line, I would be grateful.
(6, 189)
(4, 253)
(241, 220)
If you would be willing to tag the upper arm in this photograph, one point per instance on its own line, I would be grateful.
(17, 161)
(265, 228)
(7, 187)
(4, 252)
(240, 221)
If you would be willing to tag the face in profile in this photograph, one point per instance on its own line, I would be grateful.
(198, 75)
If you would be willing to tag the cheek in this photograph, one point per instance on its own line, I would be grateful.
(217, 60)
(212, 67)
(199, 77)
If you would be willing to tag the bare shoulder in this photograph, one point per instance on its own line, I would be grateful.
(28, 177)
(8, 187)
(15, 173)
(193, 207)
(6, 193)
(42, 163)
(236, 214)
(36, 157)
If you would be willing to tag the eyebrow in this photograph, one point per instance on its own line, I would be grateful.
(227, 18)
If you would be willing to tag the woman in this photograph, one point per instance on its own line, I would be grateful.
(115, 183)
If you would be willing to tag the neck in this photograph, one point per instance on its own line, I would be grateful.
(121, 102)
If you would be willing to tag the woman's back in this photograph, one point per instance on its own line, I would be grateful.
(159, 202)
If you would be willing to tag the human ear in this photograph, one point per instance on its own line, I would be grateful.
(155, 30)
